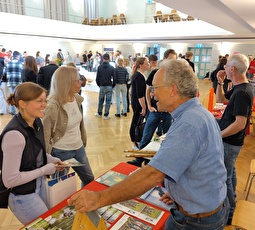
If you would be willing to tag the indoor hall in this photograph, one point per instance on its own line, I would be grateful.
(116, 131)
(107, 140)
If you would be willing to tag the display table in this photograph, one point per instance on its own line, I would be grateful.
(122, 168)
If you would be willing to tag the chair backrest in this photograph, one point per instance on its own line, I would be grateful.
(159, 12)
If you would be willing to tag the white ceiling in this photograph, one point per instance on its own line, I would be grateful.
(236, 16)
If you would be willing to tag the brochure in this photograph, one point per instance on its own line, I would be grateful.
(153, 195)
(111, 177)
(140, 210)
(129, 222)
(71, 163)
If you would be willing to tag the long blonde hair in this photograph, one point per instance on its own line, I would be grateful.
(61, 83)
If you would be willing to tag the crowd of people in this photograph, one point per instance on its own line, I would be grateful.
(165, 93)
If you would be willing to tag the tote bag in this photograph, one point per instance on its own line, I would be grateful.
(60, 188)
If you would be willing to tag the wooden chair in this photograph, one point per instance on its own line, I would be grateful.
(123, 19)
(114, 18)
(101, 21)
(244, 215)
(190, 18)
(165, 18)
(85, 21)
(108, 21)
(118, 21)
(174, 16)
(250, 178)
(158, 16)
(94, 22)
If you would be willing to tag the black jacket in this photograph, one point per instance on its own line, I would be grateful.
(34, 144)
(105, 73)
(45, 75)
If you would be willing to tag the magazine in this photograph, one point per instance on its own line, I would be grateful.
(111, 177)
(128, 222)
(62, 219)
(140, 210)
(71, 163)
(153, 195)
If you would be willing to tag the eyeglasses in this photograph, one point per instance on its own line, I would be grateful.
(152, 88)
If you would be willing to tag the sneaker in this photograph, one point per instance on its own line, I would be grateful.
(117, 115)
(98, 115)
(107, 117)
(124, 114)
(134, 148)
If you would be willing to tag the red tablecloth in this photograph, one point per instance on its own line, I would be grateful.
(123, 168)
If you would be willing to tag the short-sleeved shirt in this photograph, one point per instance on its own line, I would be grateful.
(240, 104)
(192, 158)
(149, 83)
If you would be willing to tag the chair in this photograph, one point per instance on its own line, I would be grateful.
(244, 215)
(85, 21)
(123, 19)
(108, 21)
(250, 178)
(118, 21)
(190, 18)
(165, 18)
(94, 22)
(174, 16)
(158, 16)
(114, 18)
(101, 21)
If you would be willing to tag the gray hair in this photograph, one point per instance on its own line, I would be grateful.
(181, 74)
(240, 62)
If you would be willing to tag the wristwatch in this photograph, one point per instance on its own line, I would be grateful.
(220, 83)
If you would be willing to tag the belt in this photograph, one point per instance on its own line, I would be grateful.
(198, 215)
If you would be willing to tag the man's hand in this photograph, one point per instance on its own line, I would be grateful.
(84, 201)
(221, 75)
(166, 198)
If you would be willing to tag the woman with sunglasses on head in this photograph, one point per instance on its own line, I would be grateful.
(65, 134)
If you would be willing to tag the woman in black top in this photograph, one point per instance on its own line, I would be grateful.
(138, 89)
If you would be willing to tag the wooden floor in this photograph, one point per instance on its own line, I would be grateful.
(108, 138)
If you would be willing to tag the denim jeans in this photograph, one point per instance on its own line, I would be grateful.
(230, 154)
(179, 221)
(152, 122)
(121, 88)
(12, 107)
(104, 93)
(84, 172)
(29, 207)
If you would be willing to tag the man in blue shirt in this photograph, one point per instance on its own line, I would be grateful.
(189, 163)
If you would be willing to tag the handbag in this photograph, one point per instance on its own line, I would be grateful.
(60, 188)
(139, 129)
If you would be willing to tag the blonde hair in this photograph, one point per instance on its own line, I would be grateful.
(61, 83)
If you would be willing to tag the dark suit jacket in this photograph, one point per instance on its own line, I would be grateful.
(45, 75)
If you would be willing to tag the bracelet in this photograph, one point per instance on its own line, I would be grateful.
(220, 83)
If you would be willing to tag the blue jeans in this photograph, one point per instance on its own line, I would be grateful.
(84, 172)
(230, 154)
(12, 107)
(179, 221)
(153, 120)
(29, 207)
(121, 88)
(104, 93)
